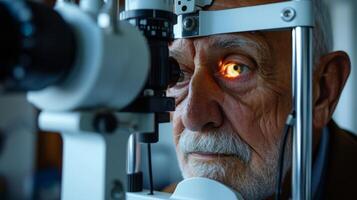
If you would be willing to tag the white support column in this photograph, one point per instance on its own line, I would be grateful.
(83, 166)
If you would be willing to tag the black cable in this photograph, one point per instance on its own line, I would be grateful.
(288, 125)
(150, 170)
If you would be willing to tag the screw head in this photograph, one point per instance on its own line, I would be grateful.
(105, 122)
(189, 23)
(288, 14)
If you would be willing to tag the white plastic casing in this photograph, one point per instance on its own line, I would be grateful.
(166, 5)
(190, 6)
(196, 188)
(110, 69)
(185, 6)
(200, 188)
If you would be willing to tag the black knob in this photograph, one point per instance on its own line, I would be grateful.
(105, 123)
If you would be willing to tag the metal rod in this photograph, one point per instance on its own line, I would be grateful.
(151, 182)
(134, 154)
(302, 88)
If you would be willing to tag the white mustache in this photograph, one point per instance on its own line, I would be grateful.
(217, 142)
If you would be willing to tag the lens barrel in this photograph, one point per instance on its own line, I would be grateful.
(37, 46)
(157, 26)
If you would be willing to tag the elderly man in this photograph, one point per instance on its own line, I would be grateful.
(234, 100)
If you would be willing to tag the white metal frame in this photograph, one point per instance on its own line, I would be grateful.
(251, 18)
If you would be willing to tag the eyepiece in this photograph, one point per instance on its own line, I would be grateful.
(37, 46)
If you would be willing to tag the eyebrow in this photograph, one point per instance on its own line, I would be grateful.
(232, 43)
(255, 48)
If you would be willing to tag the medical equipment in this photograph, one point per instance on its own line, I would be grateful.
(103, 59)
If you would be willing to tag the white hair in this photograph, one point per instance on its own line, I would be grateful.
(322, 33)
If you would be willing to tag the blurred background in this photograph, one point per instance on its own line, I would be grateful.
(343, 14)
(30, 160)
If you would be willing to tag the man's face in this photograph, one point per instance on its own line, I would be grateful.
(232, 105)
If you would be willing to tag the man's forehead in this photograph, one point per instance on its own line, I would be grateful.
(223, 41)
(224, 4)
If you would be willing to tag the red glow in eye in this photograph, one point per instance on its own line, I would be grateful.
(231, 70)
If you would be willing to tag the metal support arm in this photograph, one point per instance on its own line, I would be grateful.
(302, 95)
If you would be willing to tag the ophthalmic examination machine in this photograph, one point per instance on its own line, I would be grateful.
(99, 78)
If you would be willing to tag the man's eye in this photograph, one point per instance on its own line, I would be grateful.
(184, 76)
(233, 70)
(182, 80)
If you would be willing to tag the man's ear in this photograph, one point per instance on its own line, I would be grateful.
(330, 77)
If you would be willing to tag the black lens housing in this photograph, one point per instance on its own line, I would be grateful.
(37, 46)
(157, 26)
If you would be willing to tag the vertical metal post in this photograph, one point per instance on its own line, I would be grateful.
(302, 95)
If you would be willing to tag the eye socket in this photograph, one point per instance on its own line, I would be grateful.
(184, 76)
(233, 70)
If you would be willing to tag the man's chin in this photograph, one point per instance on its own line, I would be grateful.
(230, 171)
(216, 167)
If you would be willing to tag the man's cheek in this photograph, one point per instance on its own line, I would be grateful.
(268, 124)
(245, 119)
(274, 112)
(239, 115)
(177, 125)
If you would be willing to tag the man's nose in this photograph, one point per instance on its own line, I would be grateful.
(202, 108)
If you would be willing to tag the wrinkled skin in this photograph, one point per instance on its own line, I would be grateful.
(253, 105)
